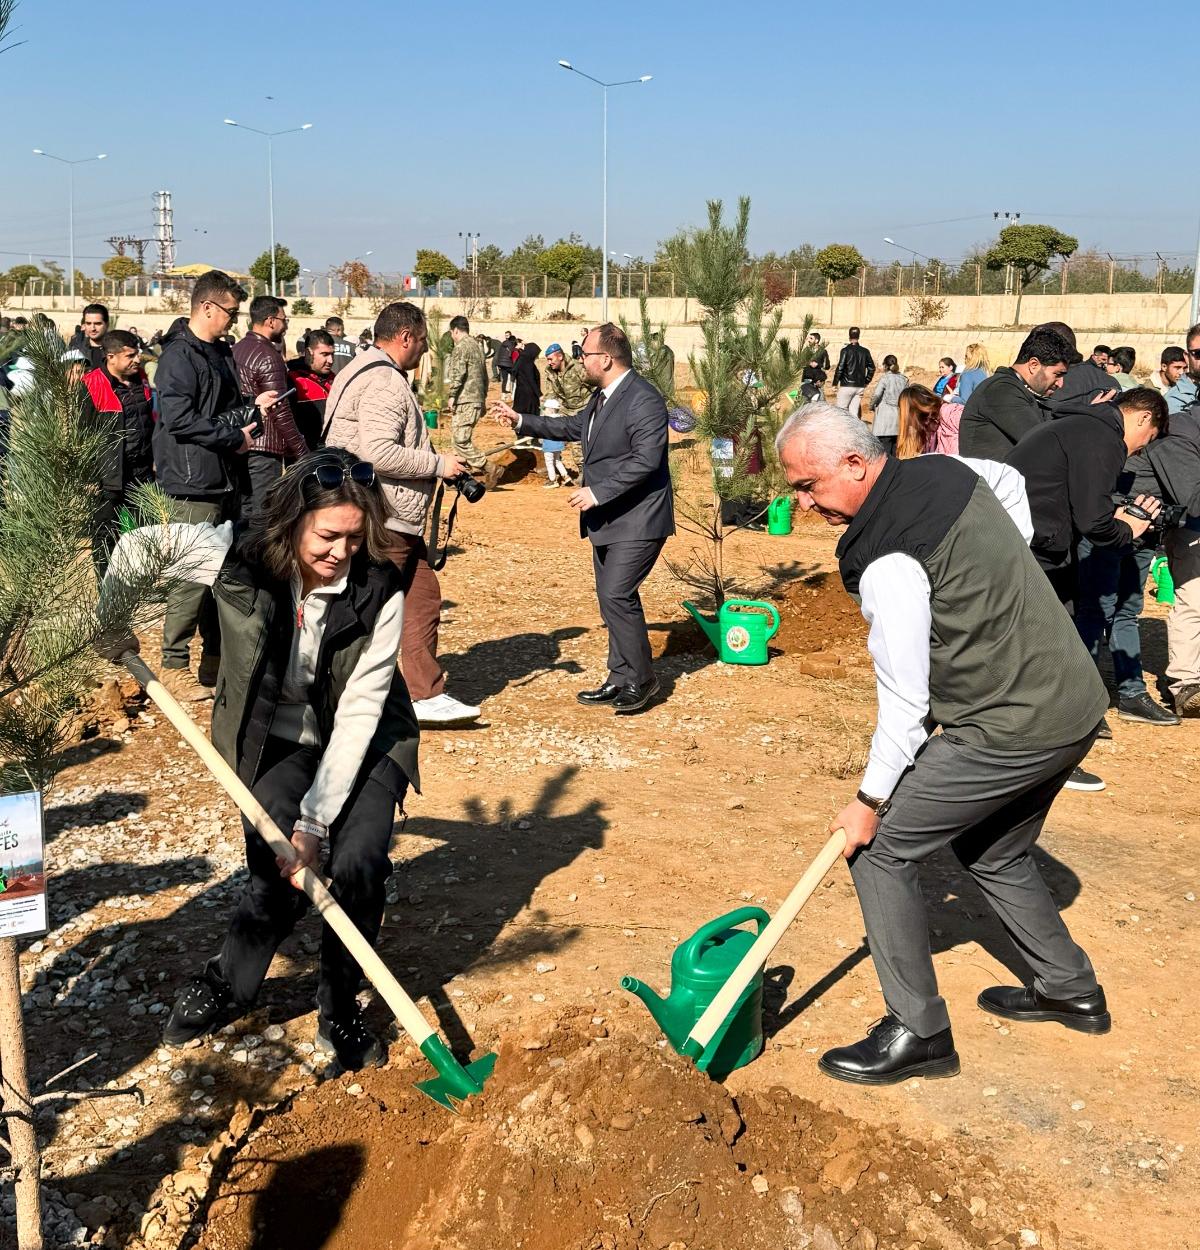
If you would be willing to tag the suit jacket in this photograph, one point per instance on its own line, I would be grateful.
(624, 462)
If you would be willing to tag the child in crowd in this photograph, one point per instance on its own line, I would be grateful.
(557, 473)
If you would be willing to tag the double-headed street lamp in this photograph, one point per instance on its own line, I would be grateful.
(911, 252)
(624, 82)
(270, 136)
(83, 160)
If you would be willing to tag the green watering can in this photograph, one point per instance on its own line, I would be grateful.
(779, 515)
(699, 968)
(741, 631)
(431, 418)
(1164, 583)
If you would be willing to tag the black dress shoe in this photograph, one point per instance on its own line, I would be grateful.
(602, 694)
(1087, 1014)
(890, 1053)
(634, 698)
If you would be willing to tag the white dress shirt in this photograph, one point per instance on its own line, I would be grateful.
(895, 603)
(197, 553)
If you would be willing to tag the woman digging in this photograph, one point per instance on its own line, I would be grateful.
(311, 711)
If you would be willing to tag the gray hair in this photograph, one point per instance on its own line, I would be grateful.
(830, 432)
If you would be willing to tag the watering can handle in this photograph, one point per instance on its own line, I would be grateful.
(758, 604)
(714, 1015)
(707, 932)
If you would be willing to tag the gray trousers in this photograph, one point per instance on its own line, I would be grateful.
(990, 807)
(620, 569)
(850, 398)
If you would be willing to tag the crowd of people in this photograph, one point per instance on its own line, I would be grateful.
(990, 576)
(1111, 466)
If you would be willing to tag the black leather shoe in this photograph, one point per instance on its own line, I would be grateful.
(204, 1005)
(1088, 1014)
(1141, 707)
(602, 694)
(634, 698)
(890, 1053)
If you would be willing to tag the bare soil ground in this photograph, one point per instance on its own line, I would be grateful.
(556, 848)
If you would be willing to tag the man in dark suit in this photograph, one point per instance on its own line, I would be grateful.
(625, 508)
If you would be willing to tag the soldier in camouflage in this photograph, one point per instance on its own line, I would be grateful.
(466, 394)
(566, 381)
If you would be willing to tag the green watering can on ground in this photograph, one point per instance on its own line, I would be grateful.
(779, 515)
(1164, 583)
(699, 967)
(741, 631)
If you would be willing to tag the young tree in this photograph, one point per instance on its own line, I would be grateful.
(564, 262)
(120, 268)
(836, 262)
(652, 357)
(287, 267)
(1029, 249)
(432, 267)
(743, 370)
(49, 619)
(355, 277)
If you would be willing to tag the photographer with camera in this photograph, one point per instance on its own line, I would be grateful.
(372, 412)
(1169, 469)
(204, 425)
(1071, 467)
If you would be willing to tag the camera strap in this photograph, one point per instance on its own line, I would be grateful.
(437, 552)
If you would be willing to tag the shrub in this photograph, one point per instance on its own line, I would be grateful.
(524, 310)
(302, 307)
(924, 310)
(559, 314)
(777, 287)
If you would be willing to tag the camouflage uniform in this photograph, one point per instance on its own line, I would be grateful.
(466, 388)
(572, 387)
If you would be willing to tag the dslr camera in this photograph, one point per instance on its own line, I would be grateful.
(468, 487)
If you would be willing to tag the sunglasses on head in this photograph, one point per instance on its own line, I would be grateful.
(331, 476)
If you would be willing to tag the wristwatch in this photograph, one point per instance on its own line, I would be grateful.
(880, 807)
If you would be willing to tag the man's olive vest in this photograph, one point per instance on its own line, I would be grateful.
(1006, 666)
(255, 614)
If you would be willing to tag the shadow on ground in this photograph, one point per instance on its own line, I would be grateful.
(958, 912)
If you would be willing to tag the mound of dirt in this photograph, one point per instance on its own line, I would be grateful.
(819, 620)
(591, 1143)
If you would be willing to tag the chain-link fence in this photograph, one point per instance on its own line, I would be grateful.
(1087, 273)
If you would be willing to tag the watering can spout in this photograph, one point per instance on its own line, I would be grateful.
(711, 629)
(659, 1008)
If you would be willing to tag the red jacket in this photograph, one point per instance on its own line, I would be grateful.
(312, 389)
(261, 368)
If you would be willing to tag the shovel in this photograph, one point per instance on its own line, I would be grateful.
(717, 1011)
(454, 1080)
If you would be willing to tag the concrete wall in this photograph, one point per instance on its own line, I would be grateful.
(1147, 323)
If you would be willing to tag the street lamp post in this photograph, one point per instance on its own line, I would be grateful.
(624, 82)
(911, 252)
(270, 136)
(71, 197)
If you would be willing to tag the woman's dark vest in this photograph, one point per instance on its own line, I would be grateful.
(255, 613)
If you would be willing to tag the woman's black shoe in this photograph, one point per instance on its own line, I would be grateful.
(1086, 1014)
(202, 1007)
(353, 1044)
(891, 1053)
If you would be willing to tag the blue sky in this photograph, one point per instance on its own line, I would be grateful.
(843, 123)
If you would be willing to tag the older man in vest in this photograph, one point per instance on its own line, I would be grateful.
(966, 634)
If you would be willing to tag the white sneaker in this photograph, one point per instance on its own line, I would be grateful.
(443, 712)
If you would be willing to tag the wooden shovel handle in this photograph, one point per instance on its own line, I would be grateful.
(758, 954)
(403, 1007)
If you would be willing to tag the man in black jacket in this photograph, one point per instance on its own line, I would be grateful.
(194, 452)
(92, 329)
(1170, 470)
(1006, 406)
(1071, 466)
(853, 374)
(625, 509)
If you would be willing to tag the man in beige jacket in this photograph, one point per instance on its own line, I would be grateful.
(372, 411)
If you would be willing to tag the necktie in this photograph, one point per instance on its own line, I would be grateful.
(600, 397)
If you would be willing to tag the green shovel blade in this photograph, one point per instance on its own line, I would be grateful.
(455, 1081)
